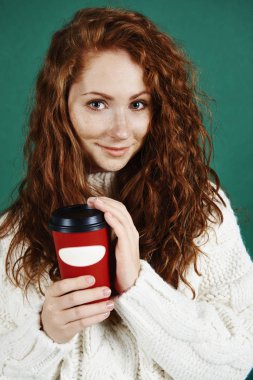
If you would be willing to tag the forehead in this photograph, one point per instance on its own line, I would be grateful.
(114, 66)
(92, 56)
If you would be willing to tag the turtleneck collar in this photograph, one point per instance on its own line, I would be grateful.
(102, 183)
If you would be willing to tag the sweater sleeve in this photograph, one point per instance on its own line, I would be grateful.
(210, 337)
(26, 351)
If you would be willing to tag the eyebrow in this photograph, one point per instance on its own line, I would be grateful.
(111, 98)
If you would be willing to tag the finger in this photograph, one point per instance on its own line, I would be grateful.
(83, 296)
(119, 212)
(118, 205)
(121, 231)
(121, 208)
(86, 311)
(71, 284)
(99, 202)
(114, 203)
(124, 235)
(73, 328)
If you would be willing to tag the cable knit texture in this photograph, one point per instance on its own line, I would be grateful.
(155, 331)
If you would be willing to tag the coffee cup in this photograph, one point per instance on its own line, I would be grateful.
(81, 239)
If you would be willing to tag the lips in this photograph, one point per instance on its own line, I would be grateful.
(114, 148)
(114, 151)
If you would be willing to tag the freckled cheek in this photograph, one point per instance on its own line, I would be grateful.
(142, 127)
(90, 127)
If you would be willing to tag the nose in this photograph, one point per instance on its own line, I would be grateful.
(119, 128)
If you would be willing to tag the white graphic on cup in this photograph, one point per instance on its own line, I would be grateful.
(82, 256)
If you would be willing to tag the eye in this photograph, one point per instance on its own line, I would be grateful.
(96, 105)
(139, 105)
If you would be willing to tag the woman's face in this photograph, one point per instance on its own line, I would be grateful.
(110, 108)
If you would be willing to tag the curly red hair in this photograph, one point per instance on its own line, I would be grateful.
(166, 186)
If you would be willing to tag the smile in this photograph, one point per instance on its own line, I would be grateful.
(115, 151)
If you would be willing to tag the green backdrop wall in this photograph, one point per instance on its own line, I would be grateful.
(217, 36)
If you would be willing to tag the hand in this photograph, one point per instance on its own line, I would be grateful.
(65, 312)
(127, 247)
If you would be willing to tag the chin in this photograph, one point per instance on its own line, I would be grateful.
(112, 167)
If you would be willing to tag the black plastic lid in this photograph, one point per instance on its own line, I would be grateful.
(76, 218)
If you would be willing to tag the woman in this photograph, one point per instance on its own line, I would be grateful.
(116, 122)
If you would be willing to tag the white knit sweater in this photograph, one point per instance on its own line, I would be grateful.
(155, 331)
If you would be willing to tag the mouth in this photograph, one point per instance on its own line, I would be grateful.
(114, 151)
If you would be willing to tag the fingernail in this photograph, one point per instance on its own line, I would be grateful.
(106, 314)
(109, 305)
(107, 292)
(90, 280)
(91, 199)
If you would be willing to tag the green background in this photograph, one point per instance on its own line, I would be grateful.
(217, 36)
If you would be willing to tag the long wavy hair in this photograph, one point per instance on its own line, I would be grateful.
(168, 186)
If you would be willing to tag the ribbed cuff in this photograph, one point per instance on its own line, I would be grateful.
(29, 350)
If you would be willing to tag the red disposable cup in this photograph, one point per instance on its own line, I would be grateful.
(81, 238)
